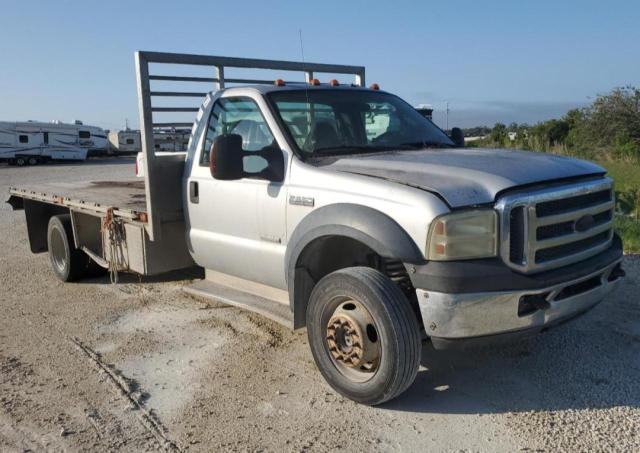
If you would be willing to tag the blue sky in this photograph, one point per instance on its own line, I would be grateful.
(492, 60)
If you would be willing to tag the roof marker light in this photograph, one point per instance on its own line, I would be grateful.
(374, 86)
(279, 83)
(334, 83)
(314, 82)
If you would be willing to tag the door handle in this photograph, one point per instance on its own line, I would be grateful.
(194, 195)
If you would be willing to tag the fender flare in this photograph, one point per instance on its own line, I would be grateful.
(369, 226)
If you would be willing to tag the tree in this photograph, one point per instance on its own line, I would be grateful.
(615, 112)
(498, 134)
(557, 132)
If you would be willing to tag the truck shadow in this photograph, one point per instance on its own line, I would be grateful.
(592, 362)
(187, 274)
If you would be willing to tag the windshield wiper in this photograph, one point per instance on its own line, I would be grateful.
(351, 149)
(364, 149)
(425, 145)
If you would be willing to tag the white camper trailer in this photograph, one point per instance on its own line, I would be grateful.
(125, 141)
(31, 142)
(173, 140)
(128, 141)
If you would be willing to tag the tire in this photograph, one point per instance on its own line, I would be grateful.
(33, 161)
(68, 263)
(21, 161)
(387, 350)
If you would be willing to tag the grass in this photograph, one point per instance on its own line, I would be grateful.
(629, 230)
(626, 177)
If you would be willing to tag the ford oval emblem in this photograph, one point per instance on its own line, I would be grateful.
(584, 223)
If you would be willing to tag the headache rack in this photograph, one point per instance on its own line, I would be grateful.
(163, 173)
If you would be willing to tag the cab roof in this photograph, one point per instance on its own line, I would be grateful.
(295, 86)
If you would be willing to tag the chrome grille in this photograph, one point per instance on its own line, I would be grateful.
(556, 226)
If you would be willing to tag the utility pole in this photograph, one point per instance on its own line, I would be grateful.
(447, 128)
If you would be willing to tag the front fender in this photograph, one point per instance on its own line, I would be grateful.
(373, 228)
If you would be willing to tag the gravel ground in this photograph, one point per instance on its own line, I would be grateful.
(141, 366)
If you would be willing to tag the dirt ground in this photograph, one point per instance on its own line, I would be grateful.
(141, 366)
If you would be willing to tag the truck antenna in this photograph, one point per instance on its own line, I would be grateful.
(306, 82)
(301, 46)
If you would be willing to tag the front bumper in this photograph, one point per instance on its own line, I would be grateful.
(461, 319)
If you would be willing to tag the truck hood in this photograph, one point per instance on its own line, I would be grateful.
(465, 176)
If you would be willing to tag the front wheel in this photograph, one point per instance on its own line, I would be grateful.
(364, 335)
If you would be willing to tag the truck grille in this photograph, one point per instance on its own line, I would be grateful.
(556, 226)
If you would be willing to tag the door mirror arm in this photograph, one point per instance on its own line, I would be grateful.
(457, 137)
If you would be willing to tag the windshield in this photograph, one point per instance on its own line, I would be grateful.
(341, 121)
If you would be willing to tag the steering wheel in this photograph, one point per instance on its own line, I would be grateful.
(387, 136)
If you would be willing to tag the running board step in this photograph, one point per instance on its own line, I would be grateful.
(269, 308)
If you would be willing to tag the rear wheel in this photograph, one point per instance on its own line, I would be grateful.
(21, 161)
(363, 334)
(68, 263)
(33, 161)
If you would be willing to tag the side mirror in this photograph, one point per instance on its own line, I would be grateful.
(225, 157)
(275, 163)
(457, 137)
(227, 160)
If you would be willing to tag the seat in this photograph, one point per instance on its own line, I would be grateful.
(324, 135)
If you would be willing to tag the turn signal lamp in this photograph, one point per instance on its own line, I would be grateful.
(279, 83)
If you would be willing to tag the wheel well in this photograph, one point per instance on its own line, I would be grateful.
(328, 254)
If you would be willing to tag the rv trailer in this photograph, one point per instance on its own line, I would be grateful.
(124, 142)
(128, 141)
(32, 142)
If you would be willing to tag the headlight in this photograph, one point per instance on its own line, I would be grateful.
(463, 235)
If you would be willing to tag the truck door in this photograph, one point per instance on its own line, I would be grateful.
(237, 227)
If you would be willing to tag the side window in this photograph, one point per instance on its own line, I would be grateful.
(240, 116)
(84, 134)
(23, 138)
(380, 119)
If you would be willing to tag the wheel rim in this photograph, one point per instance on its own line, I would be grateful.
(57, 249)
(351, 339)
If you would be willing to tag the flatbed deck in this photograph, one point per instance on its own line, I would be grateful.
(126, 198)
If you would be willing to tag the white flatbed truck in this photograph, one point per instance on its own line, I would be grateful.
(341, 209)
